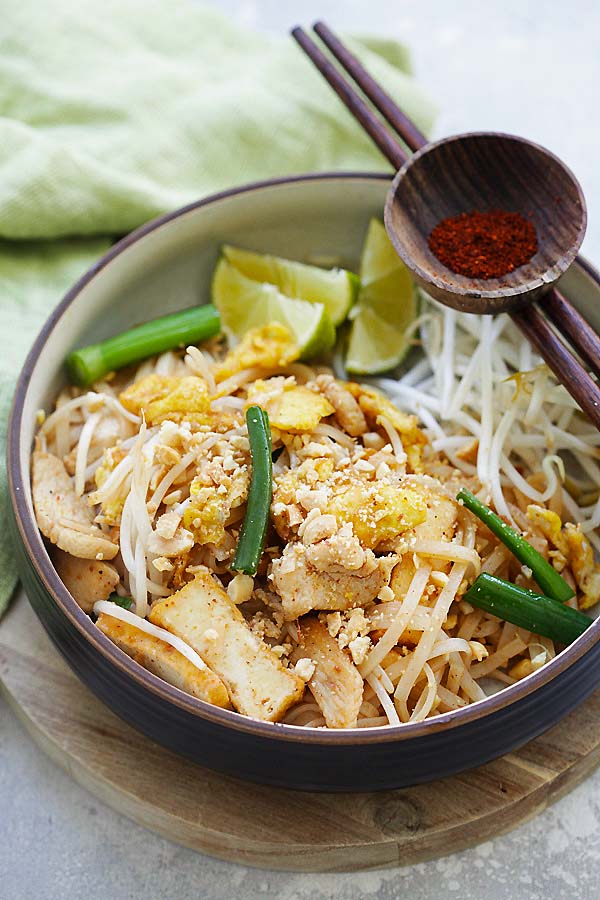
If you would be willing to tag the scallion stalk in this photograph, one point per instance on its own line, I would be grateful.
(526, 609)
(189, 326)
(549, 580)
(251, 542)
(124, 602)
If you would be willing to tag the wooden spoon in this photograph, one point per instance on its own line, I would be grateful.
(482, 171)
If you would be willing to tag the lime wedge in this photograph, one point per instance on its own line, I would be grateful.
(387, 305)
(336, 289)
(245, 304)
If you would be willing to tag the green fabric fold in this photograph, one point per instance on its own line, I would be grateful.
(112, 113)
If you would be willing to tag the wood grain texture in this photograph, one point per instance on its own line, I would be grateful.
(268, 827)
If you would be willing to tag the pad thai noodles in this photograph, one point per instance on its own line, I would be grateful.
(355, 615)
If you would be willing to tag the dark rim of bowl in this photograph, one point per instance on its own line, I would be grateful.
(19, 483)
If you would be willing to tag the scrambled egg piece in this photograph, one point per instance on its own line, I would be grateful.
(377, 510)
(585, 571)
(270, 347)
(161, 397)
(189, 399)
(377, 407)
(144, 391)
(206, 516)
(374, 405)
(296, 409)
(111, 509)
(214, 494)
(550, 525)
(575, 547)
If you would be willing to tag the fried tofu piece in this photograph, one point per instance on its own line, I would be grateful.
(203, 615)
(336, 683)
(62, 516)
(163, 660)
(87, 580)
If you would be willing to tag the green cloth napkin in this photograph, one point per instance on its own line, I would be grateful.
(113, 112)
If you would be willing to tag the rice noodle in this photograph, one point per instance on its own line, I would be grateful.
(391, 636)
(428, 697)
(448, 550)
(397, 446)
(423, 648)
(335, 434)
(199, 364)
(384, 699)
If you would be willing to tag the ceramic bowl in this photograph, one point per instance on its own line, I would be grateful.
(165, 266)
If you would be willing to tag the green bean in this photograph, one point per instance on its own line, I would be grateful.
(252, 537)
(189, 326)
(549, 580)
(535, 612)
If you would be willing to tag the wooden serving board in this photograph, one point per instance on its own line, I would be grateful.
(269, 827)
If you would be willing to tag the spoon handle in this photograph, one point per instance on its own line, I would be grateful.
(580, 385)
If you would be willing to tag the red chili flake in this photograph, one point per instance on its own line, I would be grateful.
(484, 244)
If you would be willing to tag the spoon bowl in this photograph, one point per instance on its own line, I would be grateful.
(484, 171)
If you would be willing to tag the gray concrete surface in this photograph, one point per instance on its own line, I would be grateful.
(528, 67)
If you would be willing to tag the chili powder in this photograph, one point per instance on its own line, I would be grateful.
(484, 244)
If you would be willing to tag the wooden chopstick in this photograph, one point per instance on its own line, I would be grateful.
(530, 320)
(380, 99)
(559, 358)
(571, 323)
(389, 146)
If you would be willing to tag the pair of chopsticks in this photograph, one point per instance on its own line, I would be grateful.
(533, 320)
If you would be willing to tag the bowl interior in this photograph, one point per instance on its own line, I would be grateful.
(166, 266)
(483, 172)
